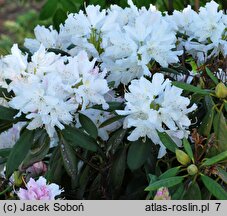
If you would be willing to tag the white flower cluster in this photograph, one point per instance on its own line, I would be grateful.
(125, 41)
(156, 106)
(206, 31)
(113, 45)
(128, 41)
(49, 89)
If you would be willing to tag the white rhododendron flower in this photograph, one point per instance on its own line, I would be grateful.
(205, 31)
(49, 89)
(156, 106)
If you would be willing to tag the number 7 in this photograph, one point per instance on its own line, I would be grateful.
(218, 205)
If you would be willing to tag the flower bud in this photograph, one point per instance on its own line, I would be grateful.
(37, 169)
(221, 90)
(182, 157)
(17, 177)
(192, 169)
(162, 194)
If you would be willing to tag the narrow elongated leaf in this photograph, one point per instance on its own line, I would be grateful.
(115, 140)
(58, 51)
(88, 125)
(214, 188)
(38, 151)
(206, 125)
(169, 182)
(7, 114)
(111, 120)
(19, 151)
(193, 192)
(222, 174)
(211, 75)
(190, 88)
(112, 106)
(5, 152)
(170, 173)
(167, 141)
(220, 129)
(77, 137)
(69, 159)
(55, 168)
(188, 149)
(220, 157)
(117, 171)
(138, 154)
(83, 181)
(48, 9)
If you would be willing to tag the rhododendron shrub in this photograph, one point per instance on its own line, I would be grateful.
(117, 103)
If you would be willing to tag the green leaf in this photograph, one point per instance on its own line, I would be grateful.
(190, 88)
(169, 182)
(5, 94)
(138, 153)
(188, 149)
(113, 106)
(58, 51)
(77, 137)
(102, 3)
(220, 130)
(69, 6)
(19, 151)
(5, 152)
(117, 171)
(214, 188)
(111, 120)
(5, 125)
(193, 192)
(55, 168)
(83, 181)
(179, 192)
(59, 17)
(167, 141)
(88, 125)
(170, 173)
(7, 114)
(222, 174)
(115, 140)
(38, 151)
(48, 9)
(69, 158)
(211, 75)
(206, 124)
(220, 157)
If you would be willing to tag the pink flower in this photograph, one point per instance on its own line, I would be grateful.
(39, 190)
(162, 194)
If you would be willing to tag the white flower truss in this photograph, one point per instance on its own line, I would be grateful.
(206, 31)
(156, 106)
(50, 89)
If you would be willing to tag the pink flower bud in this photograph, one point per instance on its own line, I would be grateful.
(162, 194)
(37, 169)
